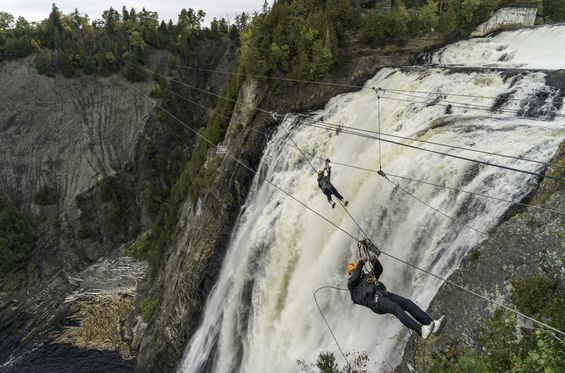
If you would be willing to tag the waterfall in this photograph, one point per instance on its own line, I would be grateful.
(261, 315)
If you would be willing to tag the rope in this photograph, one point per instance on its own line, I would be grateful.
(353, 237)
(336, 127)
(328, 324)
(442, 153)
(379, 120)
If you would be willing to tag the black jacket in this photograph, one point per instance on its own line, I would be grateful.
(362, 292)
(324, 180)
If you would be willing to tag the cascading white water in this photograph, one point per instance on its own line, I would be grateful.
(537, 48)
(261, 315)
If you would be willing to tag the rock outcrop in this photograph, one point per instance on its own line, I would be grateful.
(508, 18)
(528, 243)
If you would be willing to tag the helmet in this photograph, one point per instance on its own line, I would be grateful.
(350, 267)
(321, 173)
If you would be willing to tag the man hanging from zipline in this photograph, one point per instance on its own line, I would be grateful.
(326, 185)
(366, 290)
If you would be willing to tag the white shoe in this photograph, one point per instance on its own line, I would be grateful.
(438, 324)
(427, 330)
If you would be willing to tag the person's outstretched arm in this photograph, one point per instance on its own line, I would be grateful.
(356, 275)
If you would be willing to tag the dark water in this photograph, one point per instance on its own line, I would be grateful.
(56, 358)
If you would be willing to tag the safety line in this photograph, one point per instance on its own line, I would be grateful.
(328, 324)
(349, 234)
(341, 126)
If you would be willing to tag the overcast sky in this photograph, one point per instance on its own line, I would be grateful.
(37, 10)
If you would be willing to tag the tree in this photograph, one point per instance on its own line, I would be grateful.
(554, 10)
(44, 62)
(111, 19)
(16, 240)
(6, 20)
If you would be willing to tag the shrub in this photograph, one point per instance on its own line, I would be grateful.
(45, 197)
(16, 240)
(148, 307)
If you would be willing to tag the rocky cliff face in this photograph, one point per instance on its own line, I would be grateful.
(85, 140)
(203, 231)
(528, 243)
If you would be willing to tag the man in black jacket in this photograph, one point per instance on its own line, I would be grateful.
(368, 291)
(326, 185)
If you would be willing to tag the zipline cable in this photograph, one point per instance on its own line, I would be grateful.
(354, 133)
(330, 84)
(360, 87)
(349, 234)
(451, 188)
(339, 127)
(376, 171)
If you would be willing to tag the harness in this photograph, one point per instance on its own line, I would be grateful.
(365, 247)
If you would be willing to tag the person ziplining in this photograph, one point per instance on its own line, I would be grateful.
(366, 290)
(325, 184)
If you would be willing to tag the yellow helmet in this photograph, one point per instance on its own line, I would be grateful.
(350, 267)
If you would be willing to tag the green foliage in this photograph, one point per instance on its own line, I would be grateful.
(68, 43)
(44, 63)
(300, 38)
(84, 232)
(539, 297)
(553, 11)
(474, 12)
(45, 196)
(326, 363)
(16, 241)
(474, 255)
(148, 307)
(503, 346)
(152, 198)
(116, 197)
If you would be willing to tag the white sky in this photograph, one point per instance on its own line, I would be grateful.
(37, 10)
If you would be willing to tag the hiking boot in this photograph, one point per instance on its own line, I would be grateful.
(346, 203)
(333, 205)
(427, 330)
(438, 324)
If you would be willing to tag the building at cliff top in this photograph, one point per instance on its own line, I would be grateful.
(511, 14)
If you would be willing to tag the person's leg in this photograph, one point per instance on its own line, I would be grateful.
(385, 305)
(412, 308)
(328, 194)
(336, 193)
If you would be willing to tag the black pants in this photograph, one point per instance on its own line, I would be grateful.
(332, 190)
(398, 306)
